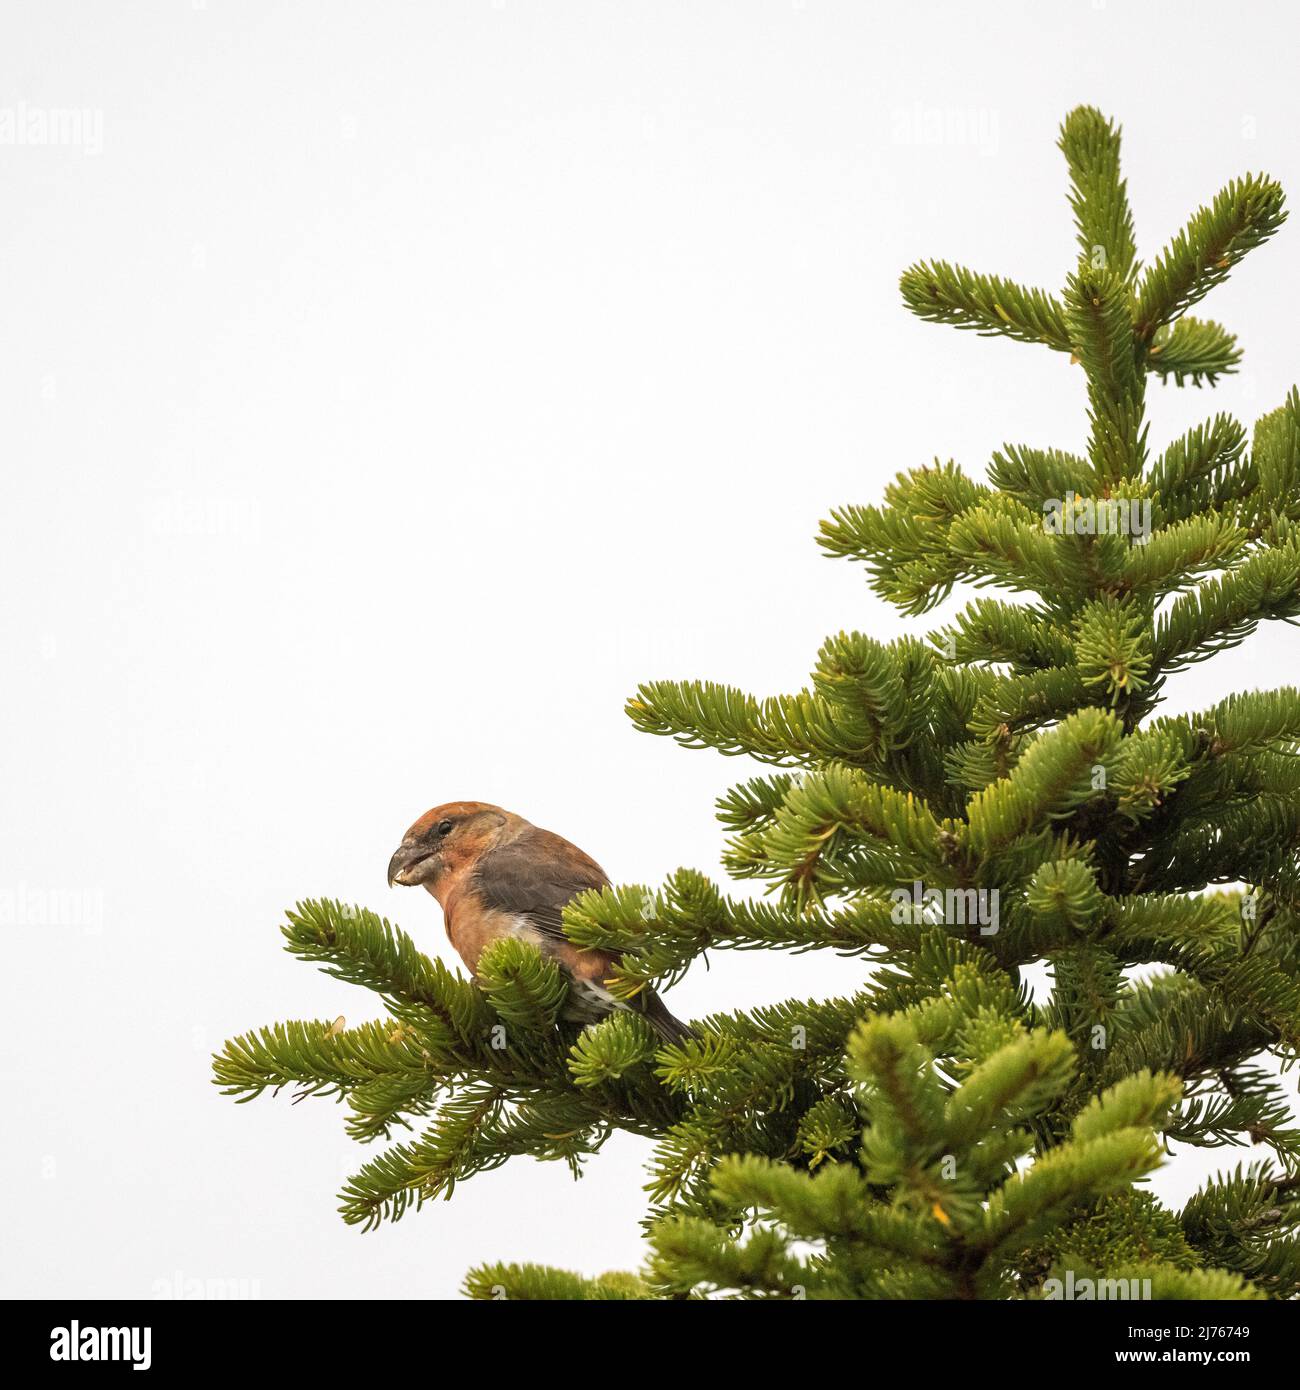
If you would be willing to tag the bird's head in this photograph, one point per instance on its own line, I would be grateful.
(446, 839)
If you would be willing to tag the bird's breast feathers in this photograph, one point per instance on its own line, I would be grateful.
(471, 930)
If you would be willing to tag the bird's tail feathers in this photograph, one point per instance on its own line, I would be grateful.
(655, 1013)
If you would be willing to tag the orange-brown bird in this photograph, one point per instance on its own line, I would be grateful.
(494, 875)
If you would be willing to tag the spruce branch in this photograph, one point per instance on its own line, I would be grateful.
(1197, 351)
(1099, 196)
(1244, 215)
(987, 304)
(1101, 330)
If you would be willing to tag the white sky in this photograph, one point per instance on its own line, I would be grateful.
(386, 390)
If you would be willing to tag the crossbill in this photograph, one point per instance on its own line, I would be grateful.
(495, 875)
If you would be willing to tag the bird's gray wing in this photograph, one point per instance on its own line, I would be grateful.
(534, 876)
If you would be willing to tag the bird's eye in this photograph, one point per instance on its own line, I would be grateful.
(444, 828)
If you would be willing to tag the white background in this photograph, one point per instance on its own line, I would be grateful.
(387, 389)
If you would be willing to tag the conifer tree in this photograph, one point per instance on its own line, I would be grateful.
(944, 812)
